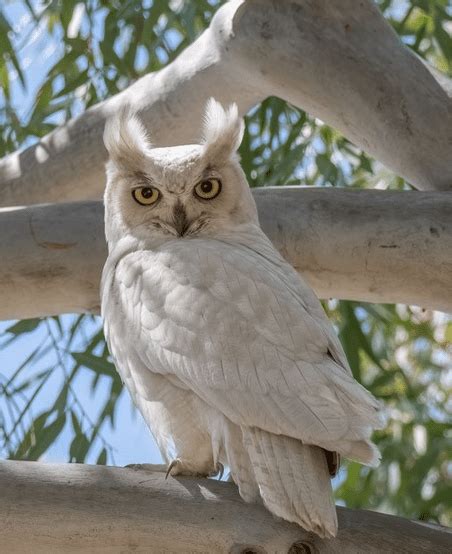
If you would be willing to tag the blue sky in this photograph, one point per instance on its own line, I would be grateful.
(130, 439)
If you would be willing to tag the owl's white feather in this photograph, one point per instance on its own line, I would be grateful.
(222, 130)
(126, 139)
(224, 348)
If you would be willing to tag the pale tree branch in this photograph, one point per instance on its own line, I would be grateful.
(376, 246)
(49, 509)
(338, 59)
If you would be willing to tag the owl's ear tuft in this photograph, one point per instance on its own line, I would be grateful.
(126, 139)
(222, 130)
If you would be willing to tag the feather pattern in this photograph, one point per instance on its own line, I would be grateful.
(232, 329)
(224, 348)
(222, 131)
(240, 335)
(294, 480)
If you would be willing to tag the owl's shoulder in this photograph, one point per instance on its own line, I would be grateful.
(210, 260)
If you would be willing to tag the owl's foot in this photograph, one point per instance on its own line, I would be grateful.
(218, 471)
(173, 468)
(182, 467)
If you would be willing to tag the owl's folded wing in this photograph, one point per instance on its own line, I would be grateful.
(246, 334)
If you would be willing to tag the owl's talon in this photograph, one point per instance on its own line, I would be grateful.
(173, 464)
(217, 472)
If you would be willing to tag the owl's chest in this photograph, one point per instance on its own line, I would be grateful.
(169, 308)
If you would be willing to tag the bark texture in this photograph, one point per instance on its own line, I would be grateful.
(376, 246)
(338, 59)
(49, 509)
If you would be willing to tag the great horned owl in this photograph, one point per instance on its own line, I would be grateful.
(224, 348)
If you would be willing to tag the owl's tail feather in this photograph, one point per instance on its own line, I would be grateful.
(293, 479)
(239, 462)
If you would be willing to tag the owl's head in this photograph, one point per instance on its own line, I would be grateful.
(182, 191)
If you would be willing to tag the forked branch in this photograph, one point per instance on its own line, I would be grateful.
(338, 59)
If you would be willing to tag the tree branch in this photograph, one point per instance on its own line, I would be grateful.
(49, 508)
(337, 59)
(376, 246)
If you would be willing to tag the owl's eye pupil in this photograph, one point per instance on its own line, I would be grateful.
(146, 196)
(206, 186)
(146, 192)
(208, 189)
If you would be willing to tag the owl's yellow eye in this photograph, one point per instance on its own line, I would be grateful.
(146, 195)
(208, 189)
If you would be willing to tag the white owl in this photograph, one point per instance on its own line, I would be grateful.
(224, 348)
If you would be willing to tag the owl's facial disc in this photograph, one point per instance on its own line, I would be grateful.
(178, 199)
(189, 191)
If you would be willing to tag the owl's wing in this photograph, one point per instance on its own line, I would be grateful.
(244, 332)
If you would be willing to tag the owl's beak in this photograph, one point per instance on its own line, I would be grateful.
(180, 220)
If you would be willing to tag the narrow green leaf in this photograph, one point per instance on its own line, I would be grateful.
(79, 449)
(24, 326)
(95, 363)
(102, 458)
(47, 437)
